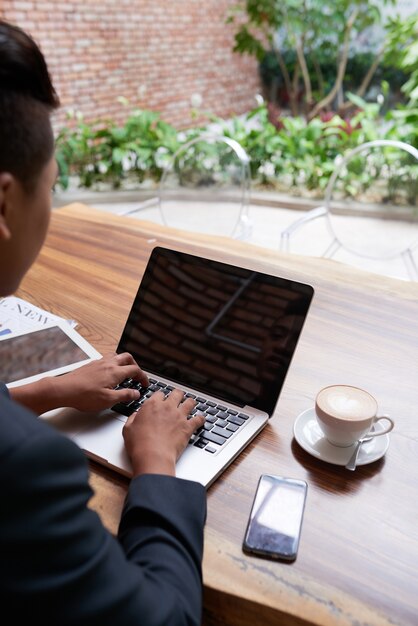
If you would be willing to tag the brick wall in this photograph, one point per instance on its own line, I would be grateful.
(158, 54)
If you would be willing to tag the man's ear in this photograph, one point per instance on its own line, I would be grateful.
(6, 182)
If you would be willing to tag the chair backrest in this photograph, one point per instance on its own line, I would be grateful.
(378, 179)
(205, 187)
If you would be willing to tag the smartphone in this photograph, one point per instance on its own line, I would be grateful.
(275, 521)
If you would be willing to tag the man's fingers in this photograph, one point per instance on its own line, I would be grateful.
(133, 371)
(125, 395)
(195, 422)
(176, 396)
(131, 367)
(130, 419)
(124, 358)
(157, 396)
(188, 405)
(142, 377)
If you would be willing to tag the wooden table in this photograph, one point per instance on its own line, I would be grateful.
(358, 556)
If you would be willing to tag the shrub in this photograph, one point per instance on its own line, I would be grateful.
(103, 152)
(286, 153)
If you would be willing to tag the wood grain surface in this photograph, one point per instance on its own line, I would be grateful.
(358, 555)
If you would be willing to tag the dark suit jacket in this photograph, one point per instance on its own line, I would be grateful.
(59, 565)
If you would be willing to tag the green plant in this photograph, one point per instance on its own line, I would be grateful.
(297, 154)
(322, 73)
(286, 153)
(313, 31)
(403, 124)
(101, 151)
(403, 53)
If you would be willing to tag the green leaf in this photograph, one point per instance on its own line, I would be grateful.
(118, 155)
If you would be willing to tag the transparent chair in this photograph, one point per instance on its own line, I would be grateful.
(205, 187)
(375, 181)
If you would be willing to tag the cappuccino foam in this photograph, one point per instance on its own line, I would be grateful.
(346, 403)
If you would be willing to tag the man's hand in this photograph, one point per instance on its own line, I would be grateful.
(90, 387)
(156, 435)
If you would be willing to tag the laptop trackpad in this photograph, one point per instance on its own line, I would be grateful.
(104, 436)
(69, 421)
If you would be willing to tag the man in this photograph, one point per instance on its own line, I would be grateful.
(58, 564)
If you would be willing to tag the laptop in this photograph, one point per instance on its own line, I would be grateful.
(225, 335)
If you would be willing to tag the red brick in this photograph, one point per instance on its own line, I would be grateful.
(168, 50)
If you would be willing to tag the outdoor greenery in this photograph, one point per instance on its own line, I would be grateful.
(292, 153)
(101, 151)
(357, 66)
(402, 52)
(313, 43)
(286, 153)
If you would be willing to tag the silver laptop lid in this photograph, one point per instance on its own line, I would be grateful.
(223, 330)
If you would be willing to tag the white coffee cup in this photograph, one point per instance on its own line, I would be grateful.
(346, 414)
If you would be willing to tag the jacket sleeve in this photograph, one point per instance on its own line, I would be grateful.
(162, 532)
(59, 565)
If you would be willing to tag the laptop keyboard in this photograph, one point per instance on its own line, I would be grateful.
(221, 422)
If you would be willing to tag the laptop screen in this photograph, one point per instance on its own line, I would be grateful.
(222, 330)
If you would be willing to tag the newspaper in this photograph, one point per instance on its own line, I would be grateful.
(17, 315)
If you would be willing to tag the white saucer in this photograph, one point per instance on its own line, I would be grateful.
(310, 437)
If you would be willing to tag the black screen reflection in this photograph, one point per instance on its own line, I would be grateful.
(226, 331)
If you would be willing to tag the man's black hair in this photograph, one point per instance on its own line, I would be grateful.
(27, 97)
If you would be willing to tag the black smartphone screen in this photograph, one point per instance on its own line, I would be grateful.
(276, 517)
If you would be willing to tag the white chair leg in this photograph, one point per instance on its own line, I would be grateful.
(332, 249)
(284, 241)
(143, 205)
(411, 266)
